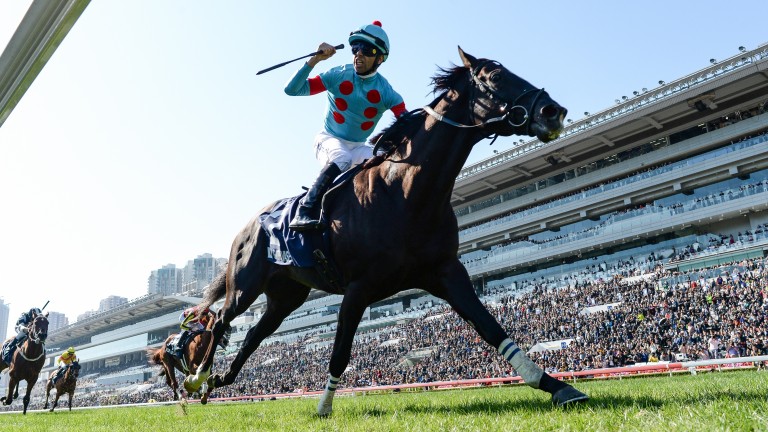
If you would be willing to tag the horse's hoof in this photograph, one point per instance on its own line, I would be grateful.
(567, 396)
(324, 409)
(213, 380)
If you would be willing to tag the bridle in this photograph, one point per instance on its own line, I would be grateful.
(492, 94)
(34, 336)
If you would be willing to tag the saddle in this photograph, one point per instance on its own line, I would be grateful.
(310, 248)
(9, 347)
(177, 345)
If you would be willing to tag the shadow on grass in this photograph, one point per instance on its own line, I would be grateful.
(595, 403)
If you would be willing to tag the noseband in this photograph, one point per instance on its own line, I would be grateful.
(493, 95)
(34, 337)
(34, 334)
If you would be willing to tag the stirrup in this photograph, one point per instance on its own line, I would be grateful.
(304, 224)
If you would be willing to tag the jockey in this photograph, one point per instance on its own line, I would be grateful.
(22, 325)
(193, 320)
(22, 330)
(357, 98)
(65, 359)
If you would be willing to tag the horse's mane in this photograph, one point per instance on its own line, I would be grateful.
(447, 79)
(405, 126)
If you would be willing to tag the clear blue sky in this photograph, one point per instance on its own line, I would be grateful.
(148, 139)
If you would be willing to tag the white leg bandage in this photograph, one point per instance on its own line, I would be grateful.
(527, 369)
(325, 406)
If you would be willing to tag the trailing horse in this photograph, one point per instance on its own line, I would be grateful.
(193, 353)
(392, 227)
(65, 384)
(27, 361)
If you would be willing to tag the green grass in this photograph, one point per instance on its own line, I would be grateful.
(707, 402)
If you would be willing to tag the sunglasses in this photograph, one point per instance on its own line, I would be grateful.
(368, 50)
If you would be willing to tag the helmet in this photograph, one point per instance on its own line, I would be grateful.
(374, 35)
(35, 311)
(71, 350)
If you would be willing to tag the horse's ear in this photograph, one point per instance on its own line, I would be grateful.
(467, 59)
(46, 315)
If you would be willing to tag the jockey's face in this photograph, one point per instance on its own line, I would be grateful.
(365, 64)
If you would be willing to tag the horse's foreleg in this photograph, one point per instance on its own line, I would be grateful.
(242, 290)
(72, 393)
(55, 401)
(27, 396)
(351, 312)
(455, 287)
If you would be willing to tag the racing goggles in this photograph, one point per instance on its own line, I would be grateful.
(367, 49)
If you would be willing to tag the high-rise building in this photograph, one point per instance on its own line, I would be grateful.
(5, 318)
(195, 275)
(85, 315)
(57, 320)
(111, 302)
(167, 280)
(200, 272)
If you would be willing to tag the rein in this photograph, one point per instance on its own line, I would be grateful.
(506, 116)
(33, 337)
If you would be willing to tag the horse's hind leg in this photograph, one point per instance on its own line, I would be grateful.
(455, 287)
(170, 374)
(246, 276)
(283, 297)
(72, 393)
(13, 385)
(47, 394)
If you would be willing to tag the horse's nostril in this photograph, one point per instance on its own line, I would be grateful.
(550, 111)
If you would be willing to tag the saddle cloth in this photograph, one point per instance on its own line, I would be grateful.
(289, 247)
(7, 352)
(177, 345)
(286, 246)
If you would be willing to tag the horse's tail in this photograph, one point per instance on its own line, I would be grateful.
(215, 290)
(155, 356)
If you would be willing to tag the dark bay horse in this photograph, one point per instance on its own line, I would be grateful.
(65, 384)
(194, 353)
(27, 361)
(392, 226)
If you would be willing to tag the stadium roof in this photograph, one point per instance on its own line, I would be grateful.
(40, 32)
(710, 93)
(135, 311)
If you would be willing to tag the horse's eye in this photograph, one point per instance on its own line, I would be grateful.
(495, 78)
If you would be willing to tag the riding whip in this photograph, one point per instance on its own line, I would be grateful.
(46, 304)
(340, 46)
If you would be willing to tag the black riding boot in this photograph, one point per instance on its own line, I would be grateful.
(308, 213)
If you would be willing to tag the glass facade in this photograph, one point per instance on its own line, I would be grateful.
(138, 342)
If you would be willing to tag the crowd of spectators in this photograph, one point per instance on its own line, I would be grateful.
(654, 320)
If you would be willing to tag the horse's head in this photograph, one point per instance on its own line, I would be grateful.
(508, 105)
(74, 369)
(38, 329)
